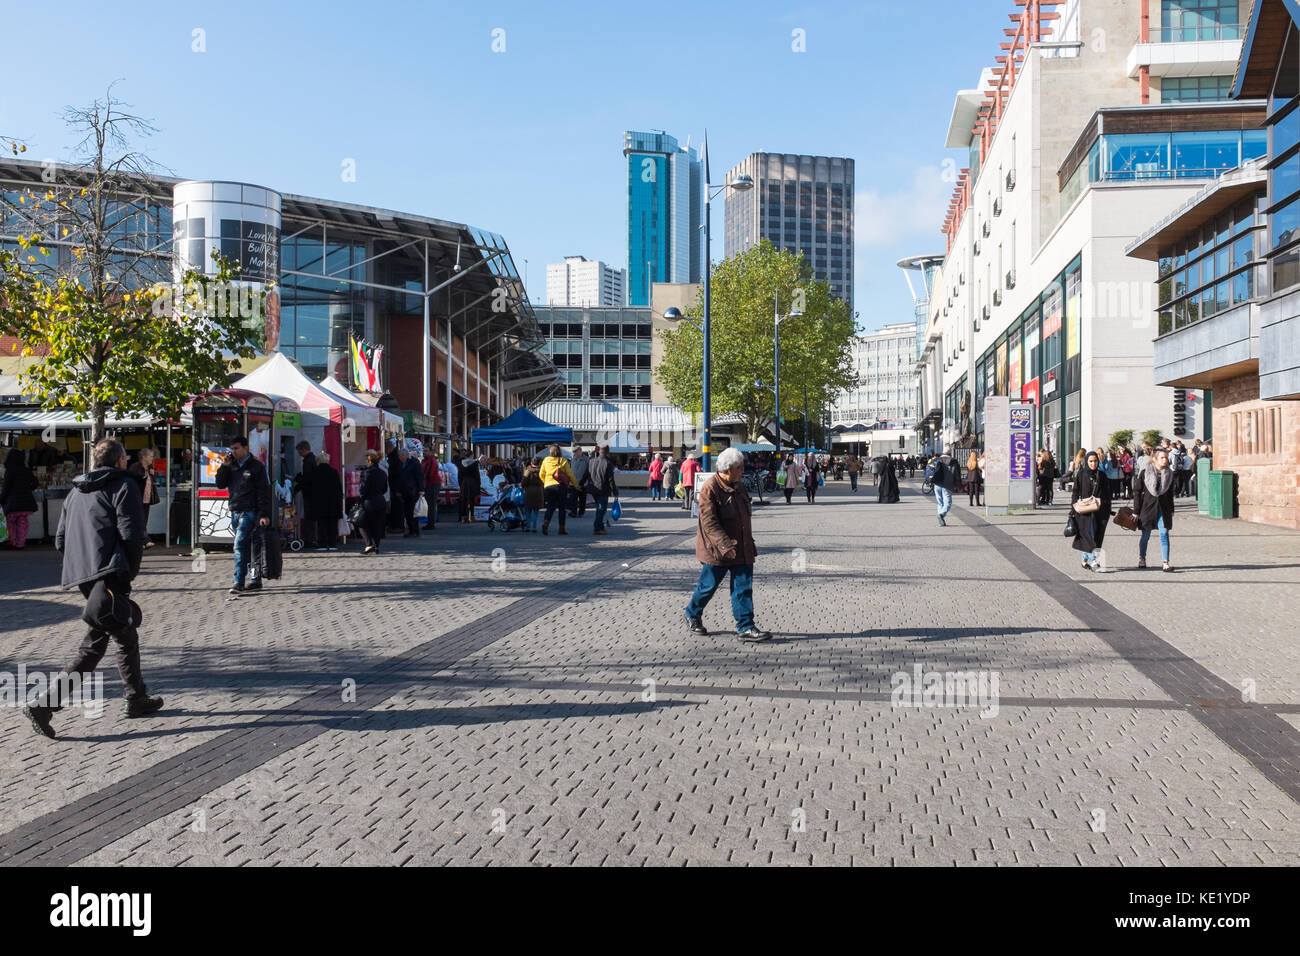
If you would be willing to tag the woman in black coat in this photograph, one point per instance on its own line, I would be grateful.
(812, 471)
(1153, 502)
(888, 487)
(373, 485)
(16, 497)
(1091, 482)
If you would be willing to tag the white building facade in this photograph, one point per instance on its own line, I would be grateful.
(884, 363)
(579, 282)
(1071, 154)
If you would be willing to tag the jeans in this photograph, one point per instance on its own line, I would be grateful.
(742, 592)
(554, 495)
(853, 481)
(243, 523)
(602, 505)
(1164, 541)
(943, 500)
(530, 519)
(656, 490)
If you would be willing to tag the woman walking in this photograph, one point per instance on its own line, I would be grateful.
(1090, 482)
(534, 495)
(374, 484)
(812, 472)
(656, 478)
(791, 470)
(471, 483)
(142, 471)
(974, 475)
(16, 497)
(1046, 473)
(1153, 502)
(888, 493)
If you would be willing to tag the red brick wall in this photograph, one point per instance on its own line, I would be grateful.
(1260, 441)
(14, 346)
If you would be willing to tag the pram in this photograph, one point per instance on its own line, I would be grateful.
(506, 512)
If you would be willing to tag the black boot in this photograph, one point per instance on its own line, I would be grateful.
(40, 718)
(143, 706)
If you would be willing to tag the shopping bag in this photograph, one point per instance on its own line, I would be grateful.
(345, 528)
(615, 511)
(780, 477)
(821, 480)
(421, 507)
(680, 490)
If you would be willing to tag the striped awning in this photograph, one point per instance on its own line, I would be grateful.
(31, 419)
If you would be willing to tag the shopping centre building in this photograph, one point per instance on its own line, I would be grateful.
(394, 279)
(1098, 120)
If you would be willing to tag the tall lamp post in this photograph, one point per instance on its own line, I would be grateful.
(777, 319)
(673, 314)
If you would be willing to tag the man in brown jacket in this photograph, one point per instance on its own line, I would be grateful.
(724, 544)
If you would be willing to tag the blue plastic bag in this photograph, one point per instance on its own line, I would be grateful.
(615, 510)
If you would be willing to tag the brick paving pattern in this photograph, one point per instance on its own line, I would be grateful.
(499, 715)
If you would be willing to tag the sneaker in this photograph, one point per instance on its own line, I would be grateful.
(695, 624)
(754, 636)
(40, 718)
(238, 589)
(254, 586)
(1142, 562)
(942, 522)
(142, 706)
(1168, 567)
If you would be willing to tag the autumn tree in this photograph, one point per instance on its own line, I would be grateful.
(87, 291)
(815, 346)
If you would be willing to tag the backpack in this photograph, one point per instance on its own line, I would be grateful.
(934, 472)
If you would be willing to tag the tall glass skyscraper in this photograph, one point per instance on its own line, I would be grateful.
(665, 209)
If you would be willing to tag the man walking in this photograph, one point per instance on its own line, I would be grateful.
(411, 480)
(947, 476)
(853, 466)
(724, 544)
(579, 466)
(244, 477)
(101, 536)
(600, 483)
(396, 506)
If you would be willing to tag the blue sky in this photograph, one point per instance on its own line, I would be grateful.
(525, 142)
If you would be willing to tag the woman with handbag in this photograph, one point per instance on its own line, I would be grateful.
(1090, 509)
(812, 472)
(1153, 502)
(374, 508)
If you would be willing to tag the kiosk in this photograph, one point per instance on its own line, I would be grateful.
(218, 417)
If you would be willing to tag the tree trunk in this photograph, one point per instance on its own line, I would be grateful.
(98, 416)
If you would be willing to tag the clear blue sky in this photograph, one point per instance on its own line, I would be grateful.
(526, 143)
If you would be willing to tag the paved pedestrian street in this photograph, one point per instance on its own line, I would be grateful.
(477, 698)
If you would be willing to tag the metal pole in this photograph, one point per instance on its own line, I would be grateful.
(425, 347)
(806, 442)
(776, 336)
(708, 404)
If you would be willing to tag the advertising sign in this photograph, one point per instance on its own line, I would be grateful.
(1021, 426)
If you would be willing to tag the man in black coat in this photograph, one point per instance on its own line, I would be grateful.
(101, 536)
(326, 503)
(599, 483)
(410, 479)
(396, 506)
(302, 484)
(250, 506)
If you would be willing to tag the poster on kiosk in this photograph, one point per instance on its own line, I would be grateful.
(1009, 480)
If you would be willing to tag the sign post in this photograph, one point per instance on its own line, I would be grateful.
(1009, 455)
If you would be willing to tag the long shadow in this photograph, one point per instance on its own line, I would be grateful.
(360, 721)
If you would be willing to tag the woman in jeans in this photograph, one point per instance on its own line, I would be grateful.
(1153, 503)
(1091, 482)
(373, 485)
(534, 495)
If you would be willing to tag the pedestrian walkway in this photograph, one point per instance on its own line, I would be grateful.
(529, 699)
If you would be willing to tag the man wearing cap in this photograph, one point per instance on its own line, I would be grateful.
(101, 536)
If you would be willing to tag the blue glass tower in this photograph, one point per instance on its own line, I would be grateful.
(665, 209)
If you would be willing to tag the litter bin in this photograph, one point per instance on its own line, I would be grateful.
(1203, 486)
(1223, 494)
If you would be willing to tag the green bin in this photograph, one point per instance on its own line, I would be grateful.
(1203, 486)
(1223, 494)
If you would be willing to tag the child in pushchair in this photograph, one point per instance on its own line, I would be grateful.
(506, 512)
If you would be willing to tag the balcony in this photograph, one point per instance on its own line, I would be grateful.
(1204, 50)
(997, 296)
(1011, 180)
(1011, 279)
(997, 208)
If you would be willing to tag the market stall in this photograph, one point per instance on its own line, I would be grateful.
(218, 417)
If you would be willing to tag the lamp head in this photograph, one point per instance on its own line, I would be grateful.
(673, 314)
(796, 314)
(742, 182)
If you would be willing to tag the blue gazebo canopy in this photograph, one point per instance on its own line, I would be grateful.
(522, 427)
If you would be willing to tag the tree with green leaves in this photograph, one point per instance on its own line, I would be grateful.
(86, 291)
(815, 346)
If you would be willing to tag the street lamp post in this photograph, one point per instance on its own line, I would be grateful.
(740, 184)
(777, 319)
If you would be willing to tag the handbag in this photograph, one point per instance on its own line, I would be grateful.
(1071, 526)
(1086, 506)
(1126, 519)
(357, 513)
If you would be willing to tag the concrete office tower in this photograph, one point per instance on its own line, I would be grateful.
(884, 362)
(800, 203)
(665, 209)
(579, 282)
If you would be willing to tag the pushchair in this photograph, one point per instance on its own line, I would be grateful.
(507, 512)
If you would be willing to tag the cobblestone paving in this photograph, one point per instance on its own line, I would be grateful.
(539, 746)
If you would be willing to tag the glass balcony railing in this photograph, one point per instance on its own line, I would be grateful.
(1200, 33)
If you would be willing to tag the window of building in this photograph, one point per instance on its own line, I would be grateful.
(1195, 89)
(1191, 21)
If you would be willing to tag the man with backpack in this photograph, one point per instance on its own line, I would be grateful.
(945, 474)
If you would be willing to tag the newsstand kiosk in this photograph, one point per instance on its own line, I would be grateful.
(218, 417)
